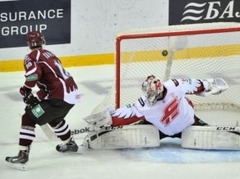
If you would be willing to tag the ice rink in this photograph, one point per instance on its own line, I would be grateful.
(168, 161)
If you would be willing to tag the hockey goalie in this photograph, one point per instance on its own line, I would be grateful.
(162, 111)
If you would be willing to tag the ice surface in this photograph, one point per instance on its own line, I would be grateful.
(168, 161)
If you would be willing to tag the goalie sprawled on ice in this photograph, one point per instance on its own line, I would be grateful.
(163, 111)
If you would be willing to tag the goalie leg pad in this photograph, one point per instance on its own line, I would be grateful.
(135, 136)
(211, 137)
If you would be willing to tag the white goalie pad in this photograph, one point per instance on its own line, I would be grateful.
(211, 137)
(133, 136)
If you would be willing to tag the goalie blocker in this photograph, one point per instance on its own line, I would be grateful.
(144, 136)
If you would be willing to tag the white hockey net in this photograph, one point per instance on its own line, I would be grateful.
(197, 51)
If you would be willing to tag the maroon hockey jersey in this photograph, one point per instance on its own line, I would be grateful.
(45, 70)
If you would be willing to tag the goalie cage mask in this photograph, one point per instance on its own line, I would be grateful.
(153, 88)
(35, 39)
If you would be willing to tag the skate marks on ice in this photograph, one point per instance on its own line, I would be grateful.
(170, 151)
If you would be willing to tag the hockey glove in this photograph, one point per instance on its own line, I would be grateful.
(28, 97)
(24, 91)
(30, 100)
(214, 86)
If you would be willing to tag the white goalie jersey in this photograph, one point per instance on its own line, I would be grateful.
(173, 113)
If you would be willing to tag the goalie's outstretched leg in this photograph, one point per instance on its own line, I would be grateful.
(211, 137)
(121, 137)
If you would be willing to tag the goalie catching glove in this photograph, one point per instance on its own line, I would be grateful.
(214, 86)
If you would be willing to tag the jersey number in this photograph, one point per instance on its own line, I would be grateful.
(170, 112)
(65, 74)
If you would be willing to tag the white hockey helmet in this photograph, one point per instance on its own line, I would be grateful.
(153, 88)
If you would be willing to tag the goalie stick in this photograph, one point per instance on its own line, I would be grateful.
(233, 130)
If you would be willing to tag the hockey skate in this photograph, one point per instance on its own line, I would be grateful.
(19, 161)
(70, 146)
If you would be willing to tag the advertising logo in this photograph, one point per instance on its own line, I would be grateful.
(19, 17)
(203, 11)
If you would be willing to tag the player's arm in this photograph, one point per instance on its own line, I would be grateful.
(41, 94)
(32, 72)
(32, 76)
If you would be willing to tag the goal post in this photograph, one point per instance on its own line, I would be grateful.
(197, 50)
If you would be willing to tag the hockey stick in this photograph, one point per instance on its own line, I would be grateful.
(47, 130)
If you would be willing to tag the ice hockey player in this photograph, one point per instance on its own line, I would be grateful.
(57, 94)
(164, 106)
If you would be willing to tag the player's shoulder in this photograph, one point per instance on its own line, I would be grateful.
(175, 82)
(48, 54)
(34, 55)
(171, 83)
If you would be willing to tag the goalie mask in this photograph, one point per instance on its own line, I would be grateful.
(153, 88)
(35, 39)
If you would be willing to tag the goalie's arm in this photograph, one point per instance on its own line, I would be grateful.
(202, 87)
(126, 115)
(122, 116)
(118, 121)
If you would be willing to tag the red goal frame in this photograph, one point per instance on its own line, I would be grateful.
(136, 35)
